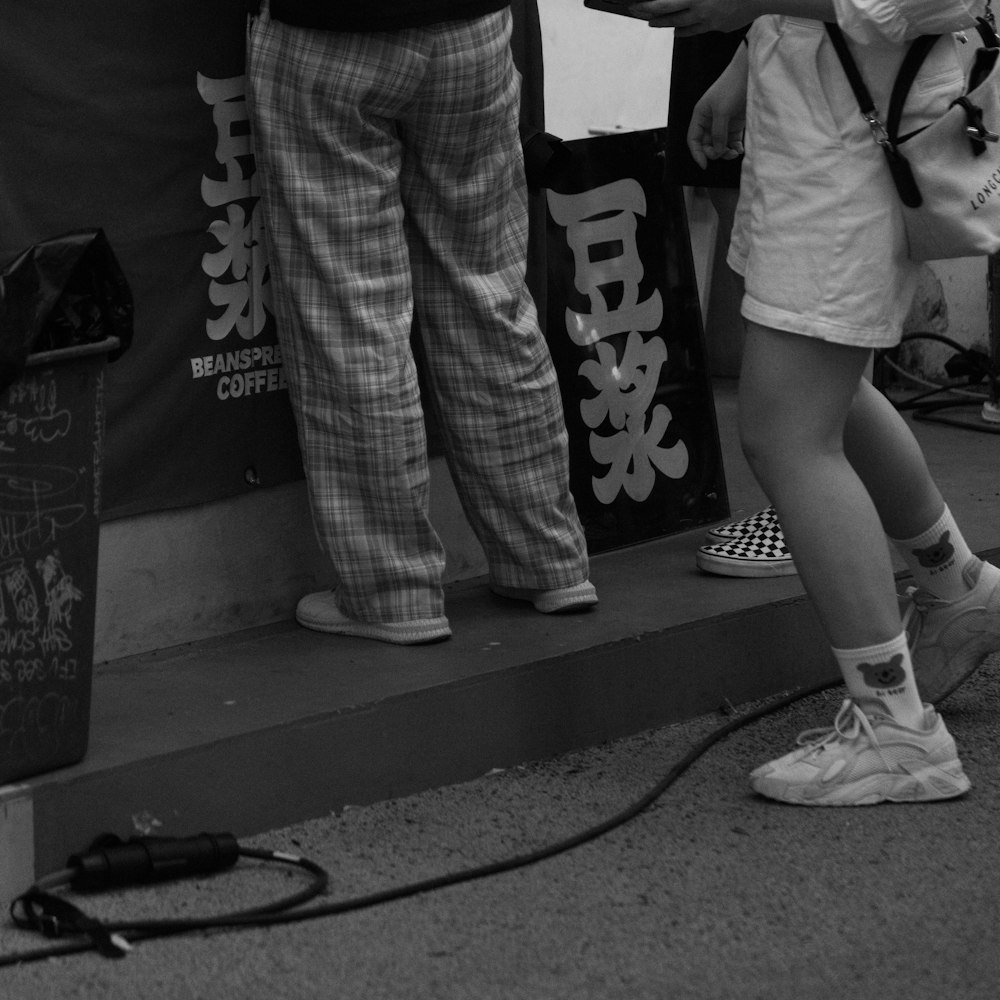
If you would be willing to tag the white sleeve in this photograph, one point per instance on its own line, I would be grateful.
(901, 20)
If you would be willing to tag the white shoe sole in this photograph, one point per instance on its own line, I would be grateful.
(561, 600)
(319, 613)
(750, 568)
(925, 784)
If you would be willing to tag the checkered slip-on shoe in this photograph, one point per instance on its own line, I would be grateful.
(759, 553)
(763, 520)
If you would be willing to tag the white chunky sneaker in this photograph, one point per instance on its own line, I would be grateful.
(950, 639)
(863, 760)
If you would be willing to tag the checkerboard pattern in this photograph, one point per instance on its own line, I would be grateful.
(759, 552)
(763, 520)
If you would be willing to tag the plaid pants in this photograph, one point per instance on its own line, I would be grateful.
(391, 178)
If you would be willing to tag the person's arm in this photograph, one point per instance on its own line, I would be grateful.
(719, 117)
(902, 20)
(693, 17)
(863, 20)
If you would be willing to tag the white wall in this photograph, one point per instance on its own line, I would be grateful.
(965, 290)
(602, 70)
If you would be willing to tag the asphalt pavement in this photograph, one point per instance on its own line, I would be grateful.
(709, 894)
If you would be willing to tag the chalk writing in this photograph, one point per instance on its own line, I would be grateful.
(51, 425)
(36, 502)
(33, 414)
(60, 595)
(32, 727)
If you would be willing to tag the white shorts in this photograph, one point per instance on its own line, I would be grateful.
(819, 235)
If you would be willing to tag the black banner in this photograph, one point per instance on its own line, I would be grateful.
(624, 327)
(131, 117)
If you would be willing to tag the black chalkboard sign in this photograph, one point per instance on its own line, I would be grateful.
(51, 429)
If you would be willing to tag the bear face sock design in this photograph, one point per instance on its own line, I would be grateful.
(880, 678)
(937, 557)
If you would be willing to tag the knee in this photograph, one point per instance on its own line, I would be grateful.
(758, 443)
(773, 449)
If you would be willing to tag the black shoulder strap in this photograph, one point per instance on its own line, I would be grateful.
(854, 77)
(912, 61)
(902, 175)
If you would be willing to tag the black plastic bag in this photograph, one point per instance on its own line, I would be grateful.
(64, 292)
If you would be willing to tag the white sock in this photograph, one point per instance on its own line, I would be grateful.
(881, 677)
(937, 557)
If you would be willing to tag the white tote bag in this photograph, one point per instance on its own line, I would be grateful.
(947, 173)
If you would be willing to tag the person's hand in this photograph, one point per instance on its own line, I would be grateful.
(718, 119)
(695, 17)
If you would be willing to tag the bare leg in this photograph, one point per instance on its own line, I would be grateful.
(887, 457)
(796, 394)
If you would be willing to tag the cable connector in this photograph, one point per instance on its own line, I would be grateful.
(56, 917)
(111, 862)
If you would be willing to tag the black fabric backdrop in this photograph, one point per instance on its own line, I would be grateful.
(129, 115)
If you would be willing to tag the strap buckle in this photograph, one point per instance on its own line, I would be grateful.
(981, 133)
(879, 133)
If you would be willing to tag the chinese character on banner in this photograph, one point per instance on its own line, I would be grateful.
(240, 262)
(238, 270)
(624, 328)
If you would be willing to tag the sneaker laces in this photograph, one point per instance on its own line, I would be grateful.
(849, 723)
(917, 604)
(921, 600)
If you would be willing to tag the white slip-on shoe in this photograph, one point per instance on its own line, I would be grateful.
(321, 613)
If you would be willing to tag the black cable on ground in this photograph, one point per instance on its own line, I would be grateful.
(287, 912)
(974, 366)
(52, 915)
